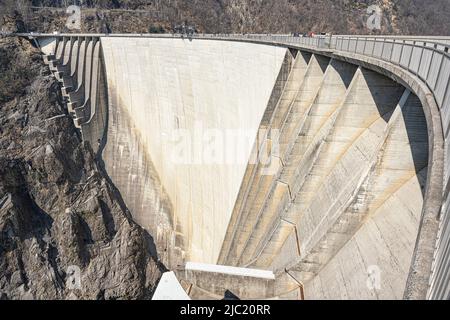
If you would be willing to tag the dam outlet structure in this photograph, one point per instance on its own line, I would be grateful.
(273, 166)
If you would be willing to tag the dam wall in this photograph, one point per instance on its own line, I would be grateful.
(353, 149)
(390, 202)
(349, 205)
(178, 96)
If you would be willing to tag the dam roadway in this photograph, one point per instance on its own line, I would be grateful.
(353, 200)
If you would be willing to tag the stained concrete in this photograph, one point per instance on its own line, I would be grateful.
(163, 85)
(358, 147)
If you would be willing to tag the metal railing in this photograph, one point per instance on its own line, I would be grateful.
(428, 60)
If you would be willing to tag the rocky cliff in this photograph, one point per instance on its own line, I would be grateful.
(64, 231)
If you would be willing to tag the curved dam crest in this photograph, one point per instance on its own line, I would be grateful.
(166, 85)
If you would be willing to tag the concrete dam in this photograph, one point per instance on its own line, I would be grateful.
(274, 166)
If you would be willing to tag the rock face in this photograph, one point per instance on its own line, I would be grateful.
(64, 230)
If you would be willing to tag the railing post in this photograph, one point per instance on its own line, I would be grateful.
(410, 56)
(429, 67)
(374, 44)
(439, 73)
(401, 53)
(392, 50)
(382, 50)
(420, 60)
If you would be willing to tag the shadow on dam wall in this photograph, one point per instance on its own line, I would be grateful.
(124, 157)
(96, 133)
(214, 84)
(344, 202)
(355, 152)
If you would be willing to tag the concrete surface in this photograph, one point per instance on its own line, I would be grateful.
(169, 288)
(166, 87)
(243, 272)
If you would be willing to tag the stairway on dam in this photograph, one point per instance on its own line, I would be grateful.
(334, 214)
